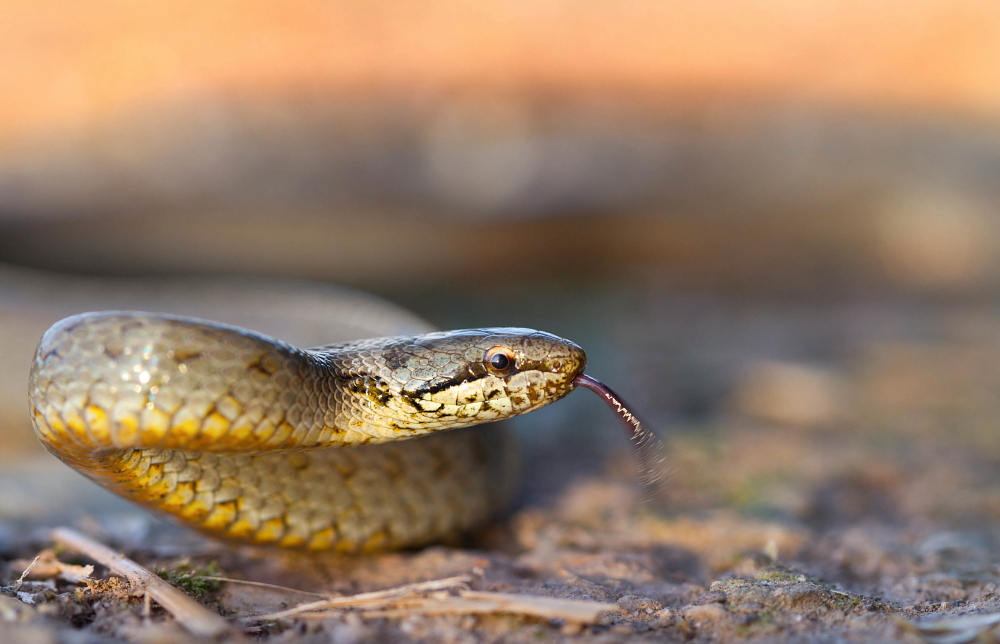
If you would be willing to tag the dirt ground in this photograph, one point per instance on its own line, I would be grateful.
(855, 500)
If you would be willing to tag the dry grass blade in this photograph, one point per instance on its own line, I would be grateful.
(362, 599)
(190, 614)
(404, 601)
(570, 610)
(260, 584)
(24, 574)
(479, 603)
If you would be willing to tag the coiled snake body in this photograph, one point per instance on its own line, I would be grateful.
(225, 429)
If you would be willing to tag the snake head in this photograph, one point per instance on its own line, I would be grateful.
(459, 378)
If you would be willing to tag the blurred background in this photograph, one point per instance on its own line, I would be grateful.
(774, 226)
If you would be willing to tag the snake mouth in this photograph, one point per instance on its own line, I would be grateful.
(647, 448)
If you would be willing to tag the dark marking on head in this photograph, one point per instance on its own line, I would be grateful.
(396, 356)
(363, 384)
(472, 372)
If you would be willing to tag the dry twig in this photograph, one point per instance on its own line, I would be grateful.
(190, 614)
(47, 566)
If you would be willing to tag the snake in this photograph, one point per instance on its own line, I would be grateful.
(358, 446)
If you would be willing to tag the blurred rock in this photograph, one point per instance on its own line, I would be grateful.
(705, 615)
(940, 240)
(792, 394)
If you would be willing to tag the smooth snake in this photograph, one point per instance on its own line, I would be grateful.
(233, 432)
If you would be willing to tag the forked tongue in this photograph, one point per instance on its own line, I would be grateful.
(646, 447)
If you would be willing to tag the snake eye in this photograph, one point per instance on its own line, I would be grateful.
(499, 361)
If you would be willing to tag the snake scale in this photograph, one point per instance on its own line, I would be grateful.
(230, 431)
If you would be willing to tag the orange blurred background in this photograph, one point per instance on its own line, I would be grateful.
(710, 143)
(73, 65)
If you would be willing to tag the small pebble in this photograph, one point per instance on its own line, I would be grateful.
(705, 614)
